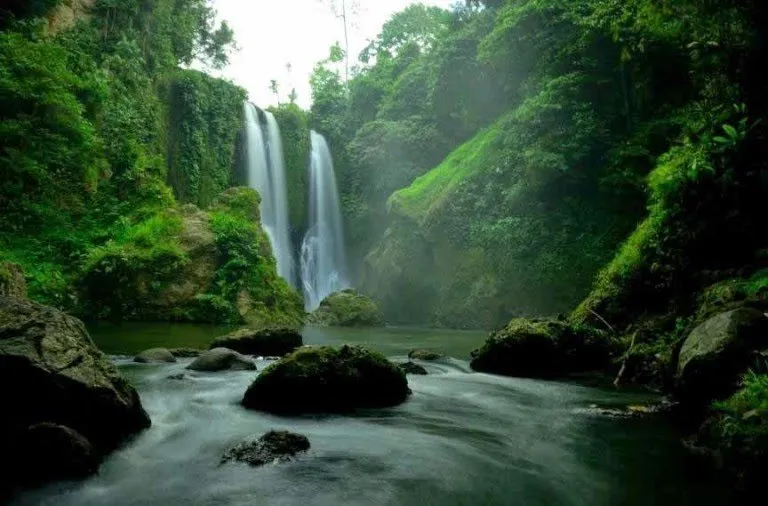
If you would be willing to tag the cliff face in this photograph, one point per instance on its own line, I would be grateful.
(67, 13)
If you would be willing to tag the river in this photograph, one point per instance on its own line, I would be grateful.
(462, 438)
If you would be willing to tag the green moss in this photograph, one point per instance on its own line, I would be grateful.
(347, 308)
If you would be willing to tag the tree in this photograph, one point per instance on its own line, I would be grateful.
(344, 9)
(274, 87)
(293, 96)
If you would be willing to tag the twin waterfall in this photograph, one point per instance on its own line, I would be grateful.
(323, 259)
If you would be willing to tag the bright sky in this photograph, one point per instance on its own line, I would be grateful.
(273, 33)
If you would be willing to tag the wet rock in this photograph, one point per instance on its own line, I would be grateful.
(347, 308)
(544, 349)
(176, 377)
(52, 373)
(155, 355)
(222, 359)
(185, 352)
(263, 342)
(411, 368)
(426, 355)
(53, 452)
(274, 446)
(717, 352)
(325, 379)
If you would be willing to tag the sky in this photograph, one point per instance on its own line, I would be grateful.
(273, 33)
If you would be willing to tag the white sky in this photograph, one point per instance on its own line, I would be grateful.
(273, 33)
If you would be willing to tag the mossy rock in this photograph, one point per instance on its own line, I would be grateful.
(327, 380)
(426, 355)
(274, 446)
(12, 282)
(544, 349)
(266, 342)
(154, 356)
(411, 368)
(347, 308)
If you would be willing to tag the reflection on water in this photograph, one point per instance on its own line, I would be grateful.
(461, 439)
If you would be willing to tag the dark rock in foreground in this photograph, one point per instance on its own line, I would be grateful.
(222, 359)
(324, 379)
(266, 342)
(53, 452)
(717, 352)
(426, 355)
(544, 349)
(155, 355)
(347, 308)
(274, 446)
(411, 368)
(58, 392)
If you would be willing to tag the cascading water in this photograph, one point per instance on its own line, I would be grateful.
(323, 259)
(266, 173)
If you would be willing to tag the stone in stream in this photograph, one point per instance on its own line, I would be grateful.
(411, 368)
(325, 379)
(185, 352)
(347, 308)
(222, 359)
(274, 446)
(425, 355)
(155, 355)
(717, 352)
(52, 373)
(265, 342)
(52, 452)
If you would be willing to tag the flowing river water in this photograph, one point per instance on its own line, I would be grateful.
(462, 438)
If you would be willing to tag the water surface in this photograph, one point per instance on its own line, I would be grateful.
(462, 439)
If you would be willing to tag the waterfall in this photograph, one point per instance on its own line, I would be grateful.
(323, 259)
(266, 173)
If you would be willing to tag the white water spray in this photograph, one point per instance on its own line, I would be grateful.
(323, 257)
(266, 173)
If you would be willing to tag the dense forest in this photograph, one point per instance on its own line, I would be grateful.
(588, 176)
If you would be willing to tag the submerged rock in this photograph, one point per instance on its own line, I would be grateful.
(155, 355)
(717, 352)
(265, 342)
(411, 368)
(176, 377)
(347, 308)
(274, 446)
(426, 355)
(222, 359)
(52, 373)
(325, 379)
(543, 349)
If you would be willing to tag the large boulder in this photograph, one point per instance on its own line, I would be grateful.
(411, 368)
(266, 342)
(716, 353)
(49, 451)
(155, 355)
(12, 282)
(222, 359)
(52, 373)
(325, 379)
(274, 446)
(347, 308)
(543, 349)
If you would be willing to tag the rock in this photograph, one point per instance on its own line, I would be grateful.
(274, 446)
(176, 377)
(222, 359)
(263, 342)
(425, 355)
(717, 352)
(325, 379)
(155, 355)
(411, 368)
(51, 372)
(12, 282)
(53, 452)
(544, 349)
(347, 308)
(185, 352)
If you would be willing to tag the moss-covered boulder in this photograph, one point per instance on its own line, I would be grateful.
(717, 352)
(221, 359)
(325, 379)
(411, 368)
(52, 373)
(348, 308)
(544, 349)
(186, 264)
(155, 355)
(265, 342)
(426, 355)
(12, 282)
